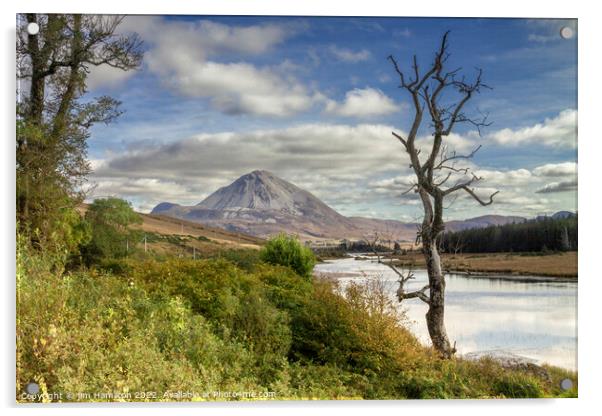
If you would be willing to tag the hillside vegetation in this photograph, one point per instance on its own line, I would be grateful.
(539, 235)
(230, 327)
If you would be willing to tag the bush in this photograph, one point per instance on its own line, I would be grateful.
(246, 259)
(112, 237)
(93, 332)
(288, 251)
(208, 325)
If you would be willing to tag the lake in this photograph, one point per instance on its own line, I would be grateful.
(534, 318)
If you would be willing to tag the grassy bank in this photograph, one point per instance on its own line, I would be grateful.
(540, 264)
(228, 327)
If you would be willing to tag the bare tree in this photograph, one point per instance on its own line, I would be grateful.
(426, 91)
(374, 242)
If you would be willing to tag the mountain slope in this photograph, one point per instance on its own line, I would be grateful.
(262, 204)
(482, 221)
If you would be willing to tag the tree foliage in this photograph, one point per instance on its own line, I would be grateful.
(110, 220)
(54, 116)
(555, 234)
(288, 251)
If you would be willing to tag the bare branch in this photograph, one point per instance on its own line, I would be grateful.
(461, 185)
(476, 197)
(414, 188)
(401, 295)
(401, 139)
(442, 181)
(399, 72)
(455, 156)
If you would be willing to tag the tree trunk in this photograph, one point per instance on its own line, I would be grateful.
(436, 313)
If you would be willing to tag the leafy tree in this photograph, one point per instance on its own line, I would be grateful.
(112, 237)
(53, 118)
(288, 251)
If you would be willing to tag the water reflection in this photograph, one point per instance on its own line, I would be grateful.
(535, 319)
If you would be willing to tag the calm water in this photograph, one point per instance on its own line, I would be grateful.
(535, 319)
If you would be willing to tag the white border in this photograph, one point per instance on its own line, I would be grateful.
(590, 387)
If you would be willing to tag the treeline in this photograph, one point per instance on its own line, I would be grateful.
(540, 235)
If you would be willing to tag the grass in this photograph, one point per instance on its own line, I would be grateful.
(541, 264)
(232, 323)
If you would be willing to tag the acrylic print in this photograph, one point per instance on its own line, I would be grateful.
(216, 208)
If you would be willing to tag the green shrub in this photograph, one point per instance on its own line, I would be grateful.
(93, 332)
(288, 251)
(246, 259)
(112, 236)
(210, 325)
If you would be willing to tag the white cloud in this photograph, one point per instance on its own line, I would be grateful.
(404, 33)
(548, 30)
(384, 78)
(396, 185)
(560, 131)
(145, 192)
(563, 186)
(504, 178)
(566, 170)
(302, 148)
(309, 155)
(181, 54)
(353, 168)
(453, 142)
(348, 55)
(105, 76)
(367, 102)
(533, 37)
(556, 169)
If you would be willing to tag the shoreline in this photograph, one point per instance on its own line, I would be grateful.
(513, 276)
(560, 267)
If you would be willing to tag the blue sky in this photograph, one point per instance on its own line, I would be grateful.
(314, 100)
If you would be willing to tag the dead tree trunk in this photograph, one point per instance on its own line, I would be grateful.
(434, 171)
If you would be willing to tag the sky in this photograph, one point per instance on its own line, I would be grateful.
(314, 100)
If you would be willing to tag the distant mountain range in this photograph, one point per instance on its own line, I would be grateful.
(262, 204)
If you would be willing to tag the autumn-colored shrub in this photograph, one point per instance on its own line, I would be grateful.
(209, 325)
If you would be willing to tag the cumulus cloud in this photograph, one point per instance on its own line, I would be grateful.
(556, 169)
(323, 158)
(367, 102)
(504, 178)
(566, 170)
(348, 55)
(463, 144)
(350, 167)
(562, 186)
(396, 185)
(559, 131)
(105, 76)
(317, 148)
(184, 55)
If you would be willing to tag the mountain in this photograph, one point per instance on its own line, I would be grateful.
(262, 204)
(556, 216)
(481, 222)
(563, 215)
